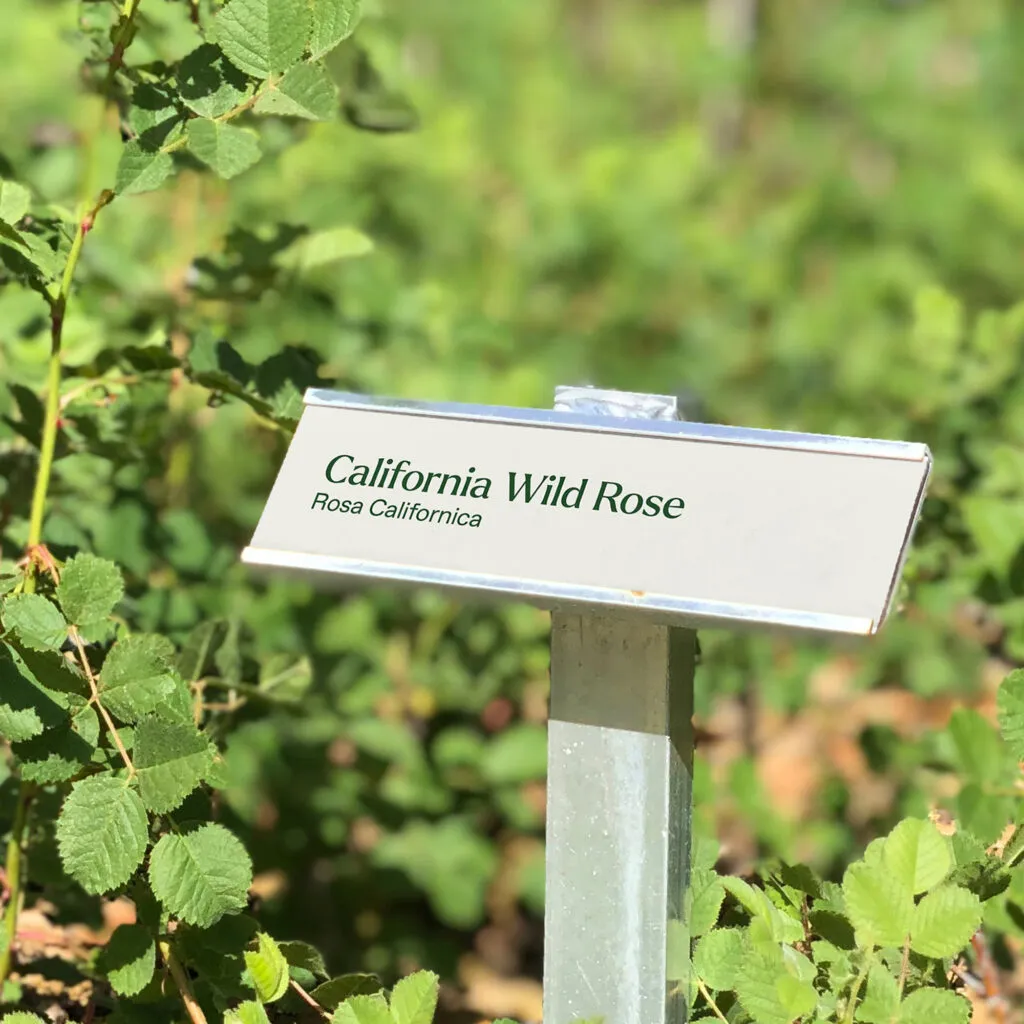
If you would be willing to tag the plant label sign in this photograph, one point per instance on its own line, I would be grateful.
(693, 524)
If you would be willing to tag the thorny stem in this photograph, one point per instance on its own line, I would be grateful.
(122, 37)
(108, 721)
(710, 1000)
(181, 982)
(904, 966)
(14, 867)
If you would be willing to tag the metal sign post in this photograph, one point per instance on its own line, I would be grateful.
(620, 763)
(634, 529)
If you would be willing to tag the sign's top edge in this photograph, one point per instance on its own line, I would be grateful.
(684, 430)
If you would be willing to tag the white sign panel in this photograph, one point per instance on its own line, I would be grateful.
(696, 524)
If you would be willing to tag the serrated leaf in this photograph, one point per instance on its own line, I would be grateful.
(171, 759)
(201, 875)
(30, 257)
(1010, 705)
(881, 997)
(320, 248)
(225, 149)
(878, 904)
(781, 926)
(717, 957)
(934, 1006)
(36, 621)
(20, 1017)
(136, 677)
(154, 115)
(917, 854)
(263, 37)
(334, 992)
(306, 91)
(363, 1010)
(305, 957)
(141, 170)
(89, 589)
(129, 959)
(333, 21)
(706, 894)
(982, 758)
(209, 84)
(760, 994)
(249, 1012)
(15, 201)
(414, 998)
(102, 833)
(25, 708)
(944, 922)
(60, 753)
(268, 969)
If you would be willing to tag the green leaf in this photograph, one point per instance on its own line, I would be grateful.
(202, 875)
(917, 854)
(36, 621)
(878, 904)
(129, 959)
(263, 37)
(334, 992)
(225, 149)
(15, 201)
(717, 957)
(307, 91)
(306, 957)
(285, 679)
(25, 708)
(141, 170)
(323, 247)
(209, 84)
(414, 999)
(102, 833)
(89, 589)
(944, 922)
(769, 994)
(137, 677)
(333, 22)
(1010, 705)
(781, 926)
(21, 1018)
(171, 759)
(249, 1012)
(363, 1010)
(934, 1006)
(706, 894)
(881, 997)
(60, 753)
(981, 755)
(268, 969)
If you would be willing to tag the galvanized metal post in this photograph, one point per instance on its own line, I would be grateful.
(620, 760)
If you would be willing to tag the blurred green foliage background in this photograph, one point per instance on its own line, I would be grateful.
(803, 215)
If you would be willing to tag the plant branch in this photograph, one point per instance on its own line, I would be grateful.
(181, 982)
(710, 1000)
(14, 870)
(122, 38)
(108, 721)
(48, 445)
(858, 983)
(904, 967)
(308, 999)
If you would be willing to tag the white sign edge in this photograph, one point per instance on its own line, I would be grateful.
(684, 430)
(674, 610)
